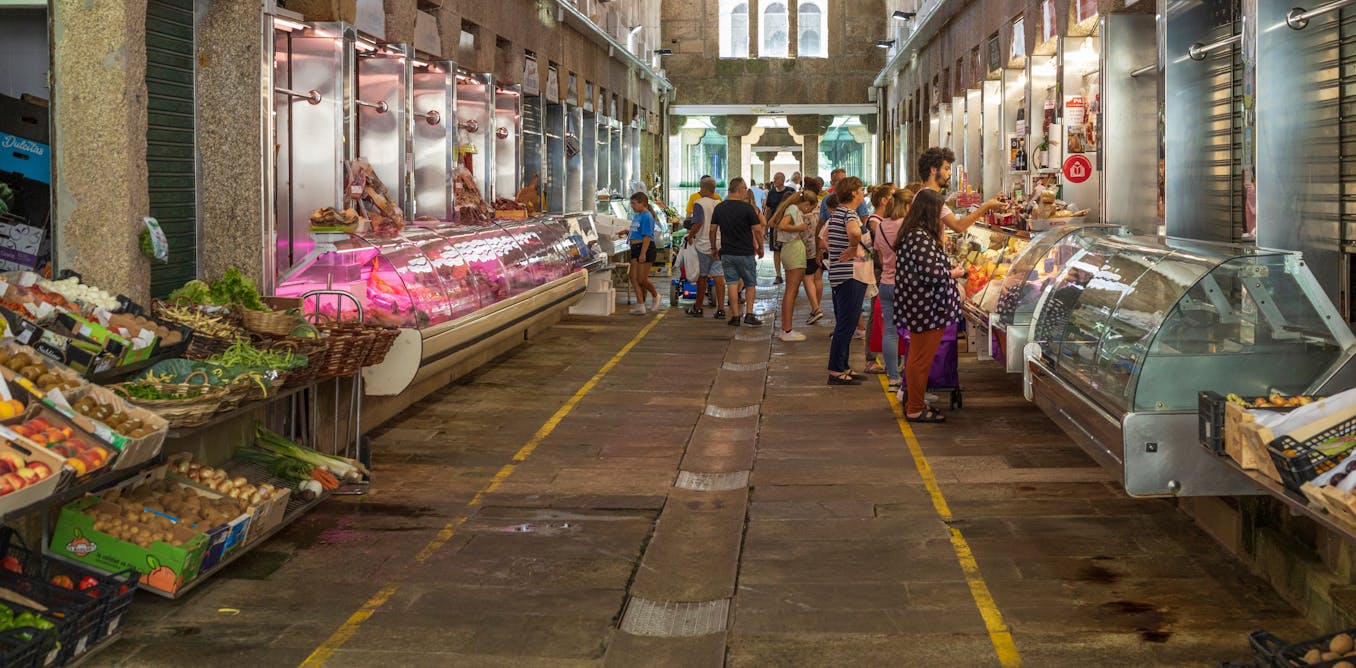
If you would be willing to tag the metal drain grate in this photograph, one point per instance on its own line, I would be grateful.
(675, 620)
(740, 412)
(732, 366)
(712, 482)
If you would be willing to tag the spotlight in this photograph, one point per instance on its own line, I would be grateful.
(903, 15)
(885, 43)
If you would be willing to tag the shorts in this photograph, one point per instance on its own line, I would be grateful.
(740, 268)
(707, 266)
(777, 246)
(649, 257)
(793, 255)
(811, 266)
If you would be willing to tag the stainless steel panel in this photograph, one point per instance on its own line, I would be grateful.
(1081, 73)
(994, 161)
(1306, 170)
(615, 157)
(588, 143)
(973, 143)
(1129, 162)
(1014, 97)
(1044, 75)
(434, 145)
(574, 166)
(475, 130)
(534, 142)
(1098, 433)
(957, 129)
(508, 142)
(1164, 457)
(311, 139)
(553, 182)
(382, 136)
(1202, 190)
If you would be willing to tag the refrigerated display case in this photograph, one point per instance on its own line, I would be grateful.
(986, 253)
(450, 287)
(1039, 262)
(1132, 328)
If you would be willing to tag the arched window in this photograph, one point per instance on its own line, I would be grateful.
(774, 30)
(810, 16)
(734, 29)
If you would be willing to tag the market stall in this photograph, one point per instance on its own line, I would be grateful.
(1128, 318)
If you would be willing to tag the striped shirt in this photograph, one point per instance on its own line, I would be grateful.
(840, 271)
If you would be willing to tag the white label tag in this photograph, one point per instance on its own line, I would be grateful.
(4, 391)
(81, 646)
(113, 625)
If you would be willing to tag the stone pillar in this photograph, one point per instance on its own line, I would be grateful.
(734, 128)
(99, 133)
(806, 130)
(232, 116)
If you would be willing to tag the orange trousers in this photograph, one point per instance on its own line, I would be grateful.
(922, 349)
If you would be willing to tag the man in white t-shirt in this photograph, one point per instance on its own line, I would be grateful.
(699, 237)
(934, 169)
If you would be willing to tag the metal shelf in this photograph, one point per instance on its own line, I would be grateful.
(239, 410)
(1298, 503)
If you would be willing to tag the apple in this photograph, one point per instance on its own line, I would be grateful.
(13, 460)
(60, 449)
(91, 459)
(39, 424)
(22, 430)
(5, 488)
(76, 445)
(41, 469)
(29, 475)
(14, 481)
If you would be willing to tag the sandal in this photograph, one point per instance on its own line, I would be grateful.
(930, 415)
(874, 367)
(843, 379)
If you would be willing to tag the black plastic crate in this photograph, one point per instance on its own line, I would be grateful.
(27, 647)
(1273, 652)
(99, 598)
(1211, 420)
(1300, 462)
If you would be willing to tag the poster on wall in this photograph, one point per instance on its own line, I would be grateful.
(1018, 39)
(1049, 28)
(995, 54)
(552, 84)
(531, 84)
(572, 88)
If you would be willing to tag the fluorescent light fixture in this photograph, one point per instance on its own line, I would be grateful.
(364, 45)
(903, 15)
(663, 52)
(418, 63)
(393, 49)
(885, 43)
(288, 24)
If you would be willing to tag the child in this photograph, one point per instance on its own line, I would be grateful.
(642, 253)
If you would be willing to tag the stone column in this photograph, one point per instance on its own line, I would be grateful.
(805, 129)
(232, 116)
(733, 128)
(99, 134)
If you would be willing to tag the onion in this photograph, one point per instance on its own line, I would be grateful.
(256, 499)
(218, 474)
(239, 481)
(234, 493)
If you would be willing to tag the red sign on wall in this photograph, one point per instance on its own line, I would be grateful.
(1077, 169)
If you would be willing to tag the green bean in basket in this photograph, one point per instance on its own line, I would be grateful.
(242, 354)
(154, 391)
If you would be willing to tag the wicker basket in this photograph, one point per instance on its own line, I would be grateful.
(315, 350)
(263, 389)
(382, 340)
(273, 323)
(348, 348)
(194, 404)
(203, 345)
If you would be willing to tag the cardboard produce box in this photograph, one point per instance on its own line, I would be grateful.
(162, 566)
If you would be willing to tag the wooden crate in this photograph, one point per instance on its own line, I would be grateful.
(1246, 441)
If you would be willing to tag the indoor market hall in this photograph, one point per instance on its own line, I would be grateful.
(678, 333)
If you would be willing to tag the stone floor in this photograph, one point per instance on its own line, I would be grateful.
(497, 535)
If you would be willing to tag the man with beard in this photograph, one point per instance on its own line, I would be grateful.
(934, 170)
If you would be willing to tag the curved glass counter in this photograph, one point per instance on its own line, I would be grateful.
(1032, 270)
(459, 283)
(1140, 326)
(987, 254)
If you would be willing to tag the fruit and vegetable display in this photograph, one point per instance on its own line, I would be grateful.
(218, 480)
(232, 289)
(16, 472)
(206, 323)
(1274, 400)
(81, 455)
(149, 513)
(72, 289)
(313, 472)
(113, 416)
(38, 370)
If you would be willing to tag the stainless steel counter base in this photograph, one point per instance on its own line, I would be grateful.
(1151, 454)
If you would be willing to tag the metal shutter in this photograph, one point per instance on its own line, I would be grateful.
(171, 152)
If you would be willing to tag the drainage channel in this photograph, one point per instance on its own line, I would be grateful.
(680, 602)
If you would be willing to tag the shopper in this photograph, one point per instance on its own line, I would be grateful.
(771, 205)
(794, 224)
(846, 237)
(934, 168)
(834, 177)
(643, 253)
(709, 269)
(738, 247)
(883, 241)
(815, 254)
(796, 181)
(757, 193)
(706, 187)
(926, 301)
(880, 200)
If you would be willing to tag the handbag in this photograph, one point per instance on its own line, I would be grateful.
(863, 269)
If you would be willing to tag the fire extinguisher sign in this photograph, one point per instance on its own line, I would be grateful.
(1077, 169)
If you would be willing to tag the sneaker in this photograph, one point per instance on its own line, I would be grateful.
(695, 312)
(720, 314)
(778, 281)
(734, 322)
(638, 309)
(860, 334)
(815, 315)
(751, 320)
(792, 335)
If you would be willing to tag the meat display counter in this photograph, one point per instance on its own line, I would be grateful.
(1132, 328)
(450, 287)
(1014, 297)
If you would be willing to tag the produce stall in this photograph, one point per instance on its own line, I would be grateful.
(986, 252)
(1132, 328)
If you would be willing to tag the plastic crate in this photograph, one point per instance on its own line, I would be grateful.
(1210, 428)
(1301, 461)
(1272, 652)
(110, 595)
(33, 651)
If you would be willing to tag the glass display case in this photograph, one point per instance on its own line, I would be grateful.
(1132, 328)
(435, 272)
(986, 253)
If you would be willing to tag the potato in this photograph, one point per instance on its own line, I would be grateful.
(1340, 643)
(1343, 664)
(1329, 656)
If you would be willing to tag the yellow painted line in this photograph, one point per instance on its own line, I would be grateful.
(999, 634)
(326, 650)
